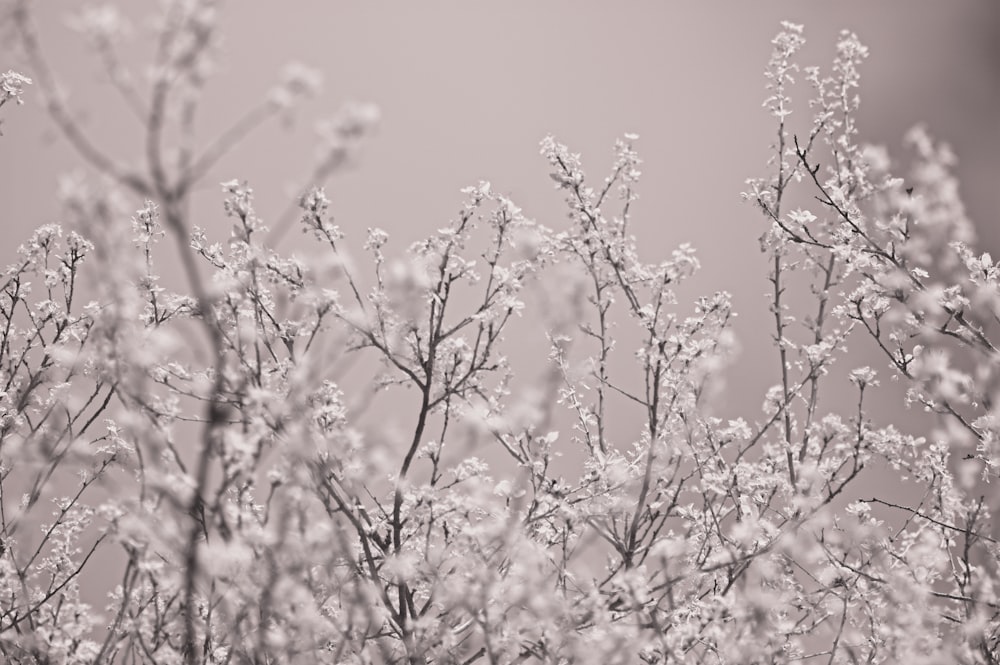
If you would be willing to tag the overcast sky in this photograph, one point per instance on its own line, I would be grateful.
(467, 89)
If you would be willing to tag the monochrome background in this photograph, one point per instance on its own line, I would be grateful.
(466, 91)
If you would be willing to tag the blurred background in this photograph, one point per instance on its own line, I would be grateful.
(467, 90)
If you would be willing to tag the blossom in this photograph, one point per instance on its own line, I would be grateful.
(863, 376)
(12, 86)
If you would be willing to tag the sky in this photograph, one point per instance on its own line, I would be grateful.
(467, 89)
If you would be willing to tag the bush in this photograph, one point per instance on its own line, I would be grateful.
(204, 444)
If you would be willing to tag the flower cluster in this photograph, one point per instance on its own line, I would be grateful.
(227, 445)
(12, 85)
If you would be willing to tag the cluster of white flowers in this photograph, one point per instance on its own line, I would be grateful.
(12, 85)
(598, 511)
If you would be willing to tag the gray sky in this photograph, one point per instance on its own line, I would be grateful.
(468, 89)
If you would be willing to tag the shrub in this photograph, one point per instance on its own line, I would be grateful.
(205, 443)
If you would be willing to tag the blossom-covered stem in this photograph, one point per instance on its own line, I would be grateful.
(786, 395)
(129, 578)
(875, 249)
(823, 299)
(406, 610)
(215, 415)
